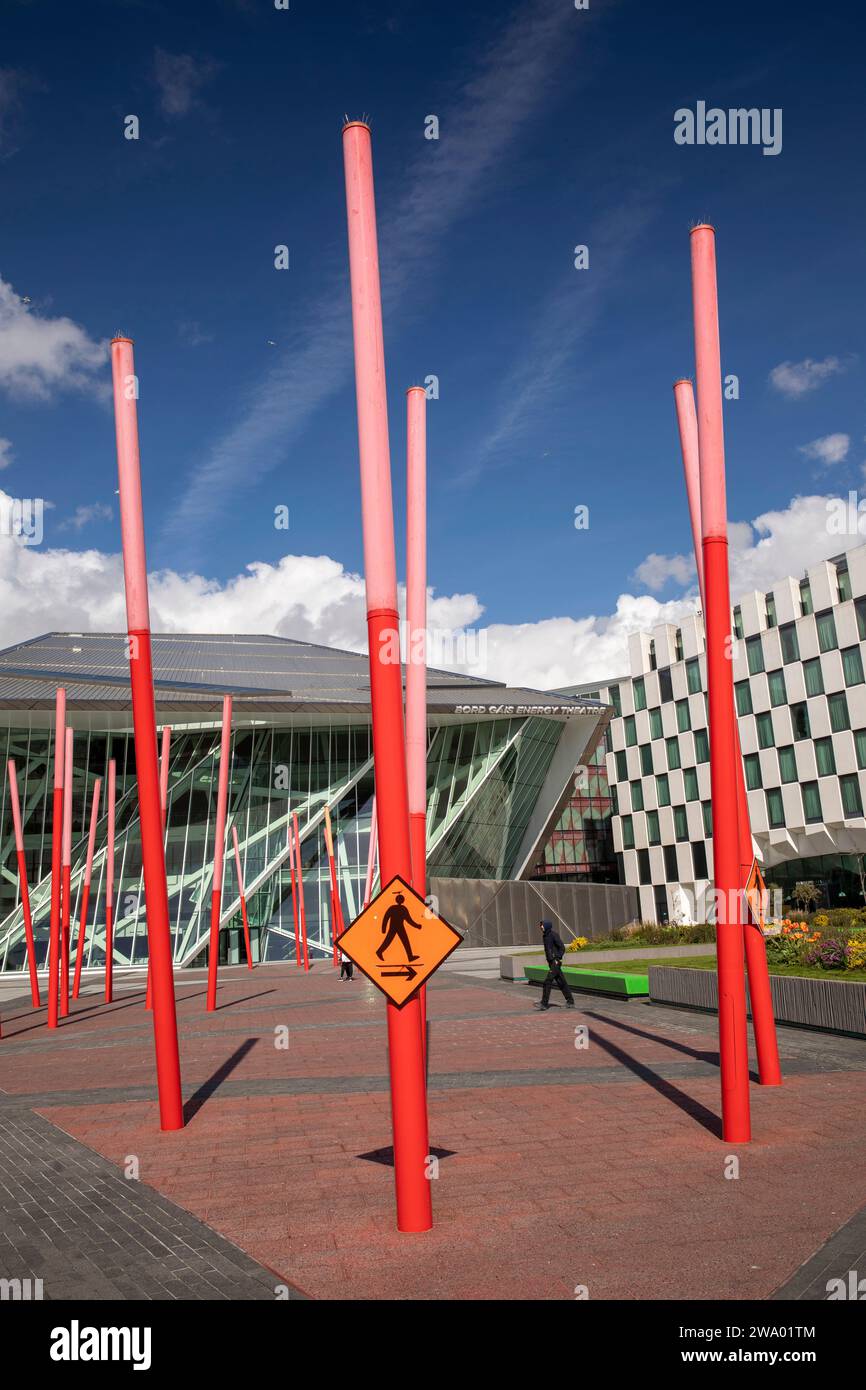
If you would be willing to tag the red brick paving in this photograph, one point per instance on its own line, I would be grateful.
(550, 1186)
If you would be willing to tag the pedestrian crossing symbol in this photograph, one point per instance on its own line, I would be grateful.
(398, 941)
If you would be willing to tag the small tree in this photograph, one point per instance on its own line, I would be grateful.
(806, 895)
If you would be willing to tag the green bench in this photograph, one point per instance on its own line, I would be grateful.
(622, 985)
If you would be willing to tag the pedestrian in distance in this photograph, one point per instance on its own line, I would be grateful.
(554, 952)
(347, 969)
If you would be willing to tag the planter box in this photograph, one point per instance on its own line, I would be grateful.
(511, 966)
(831, 1006)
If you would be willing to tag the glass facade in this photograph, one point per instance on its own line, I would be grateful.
(484, 779)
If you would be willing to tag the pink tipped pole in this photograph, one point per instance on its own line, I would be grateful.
(299, 872)
(416, 659)
(763, 1018)
(246, 923)
(56, 860)
(406, 1058)
(66, 903)
(25, 888)
(371, 853)
(159, 942)
(687, 424)
(218, 853)
(291, 843)
(109, 882)
(733, 1038)
(85, 891)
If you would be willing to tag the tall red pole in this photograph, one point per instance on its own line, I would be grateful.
(144, 727)
(56, 859)
(109, 883)
(763, 1018)
(244, 917)
(66, 903)
(733, 1038)
(25, 887)
(408, 1091)
(336, 908)
(371, 853)
(85, 891)
(416, 644)
(301, 901)
(218, 854)
(163, 806)
(291, 844)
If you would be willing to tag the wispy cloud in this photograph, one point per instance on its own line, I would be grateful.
(795, 379)
(566, 315)
(179, 78)
(40, 355)
(85, 515)
(832, 448)
(5, 452)
(479, 126)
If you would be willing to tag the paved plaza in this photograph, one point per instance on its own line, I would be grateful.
(559, 1167)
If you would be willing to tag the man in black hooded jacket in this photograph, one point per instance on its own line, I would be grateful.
(554, 951)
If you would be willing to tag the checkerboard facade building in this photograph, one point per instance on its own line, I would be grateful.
(801, 705)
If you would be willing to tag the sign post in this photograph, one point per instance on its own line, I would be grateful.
(144, 729)
(398, 943)
(406, 1059)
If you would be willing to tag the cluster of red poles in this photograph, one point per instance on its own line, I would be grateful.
(398, 828)
(739, 939)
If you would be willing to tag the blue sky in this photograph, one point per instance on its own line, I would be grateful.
(556, 128)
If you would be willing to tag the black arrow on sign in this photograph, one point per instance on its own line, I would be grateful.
(405, 971)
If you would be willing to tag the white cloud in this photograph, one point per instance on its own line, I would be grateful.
(656, 570)
(795, 379)
(85, 514)
(40, 355)
(832, 448)
(180, 78)
(314, 598)
(5, 452)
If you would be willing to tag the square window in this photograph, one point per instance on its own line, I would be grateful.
(826, 625)
(790, 643)
(699, 859)
(800, 721)
(646, 759)
(655, 716)
(811, 802)
(852, 665)
(621, 766)
(690, 779)
(764, 725)
(693, 675)
(702, 746)
(752, 765)
(673, 750)
(824, 759)
(776, 683)
(672, 871)
(838, 707)
(788, 763)
(639, 691)
(630, 731)
(627, 832)
(814, 676)
(852, 802)
(684, 722)
(653, 829)
(636, 796)
(755, 655)
(663, 790)
(681, 823)
(775, 808)
(743, 693)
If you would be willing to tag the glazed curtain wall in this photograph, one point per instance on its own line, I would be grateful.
(483, 782)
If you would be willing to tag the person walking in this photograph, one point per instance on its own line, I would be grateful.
(347, 969)
(554, 952)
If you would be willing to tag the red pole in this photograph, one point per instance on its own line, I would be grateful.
(109, 883)
(336, 911)
(163, 806)
(85, 891)
(56, 859)
(416, 643)
(291, 843)
(25, 888)
(303, 906)
(763, 1018)
(218, 853)
(733, 1038)
(371, 853)
(144, 725)
(408, 1091)
(66, 902)
(243, 897)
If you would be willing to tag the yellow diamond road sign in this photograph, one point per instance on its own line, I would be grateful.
(398, 942)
